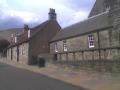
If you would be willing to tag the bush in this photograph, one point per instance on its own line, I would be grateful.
(33, 60)
(41, 62)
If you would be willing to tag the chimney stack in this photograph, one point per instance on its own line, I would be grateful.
(52, 14)
(26, 28)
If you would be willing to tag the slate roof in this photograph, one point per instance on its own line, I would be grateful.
(91, 24)
(39, 27)
(97, 8)
(24, 36)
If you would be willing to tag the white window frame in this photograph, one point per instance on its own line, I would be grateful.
(91, 41)
(29, 33)
(15, 39)
(56, 47)
(21, 50)
(65, 45)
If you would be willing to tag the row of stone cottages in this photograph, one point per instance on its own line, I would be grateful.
(96, 38)
(32, 42)
(92, 39)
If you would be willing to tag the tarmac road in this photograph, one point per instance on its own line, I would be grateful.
(12, 78)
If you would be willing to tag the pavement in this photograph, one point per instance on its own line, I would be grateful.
(87, 79)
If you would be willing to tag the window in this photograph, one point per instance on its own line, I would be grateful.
(91, 41)
(8, 52)
(28, 33)
(56, 48)
(64, 45)
(21, 50)
(15, 39)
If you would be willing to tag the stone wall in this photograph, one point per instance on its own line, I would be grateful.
(107, 47)
(115, 38)
(39, 43)
(18, 53)
(23, 53)
(104, 39)
(76, 43)
(109, 54)
(9, 54)
(14, 54)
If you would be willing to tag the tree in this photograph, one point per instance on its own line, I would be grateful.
(3, 44)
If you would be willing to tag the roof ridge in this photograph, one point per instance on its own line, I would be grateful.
(107, 11)
(95, 23)
(10, 29)
(44, 24)
(87, 19)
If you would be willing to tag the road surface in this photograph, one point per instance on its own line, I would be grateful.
(12, 78)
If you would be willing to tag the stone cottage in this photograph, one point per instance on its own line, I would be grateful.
(33, 42)
(96, 38)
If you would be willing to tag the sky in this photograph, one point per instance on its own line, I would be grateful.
(15, 13)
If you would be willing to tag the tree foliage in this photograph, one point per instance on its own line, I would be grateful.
(3, 44)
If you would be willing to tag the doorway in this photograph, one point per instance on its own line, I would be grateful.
(11, 53)
(17, 53)
(55, 57)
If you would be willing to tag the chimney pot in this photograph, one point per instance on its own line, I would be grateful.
(26, 27)
(52, 14)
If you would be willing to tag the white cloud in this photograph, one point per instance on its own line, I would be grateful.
(37, 11)
(24, 15)
(3, 4)
(79, 16)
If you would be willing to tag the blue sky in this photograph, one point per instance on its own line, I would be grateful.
(14, 13)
